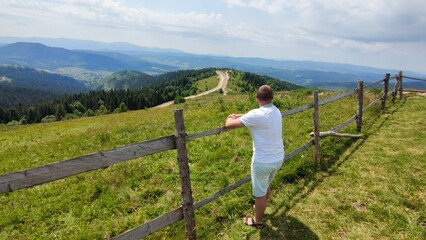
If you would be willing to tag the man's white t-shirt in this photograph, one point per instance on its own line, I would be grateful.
(265, 124)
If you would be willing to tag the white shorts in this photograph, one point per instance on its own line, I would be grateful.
(262, 175)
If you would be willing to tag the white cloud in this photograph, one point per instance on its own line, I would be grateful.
(270, 6)
(304, 29)
(373, 20)
(115, 13)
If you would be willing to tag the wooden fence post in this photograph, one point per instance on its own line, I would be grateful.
(385, 90)
(395, 88)
(400, 85)
(316, 128)
(360, 103)
(182, 156)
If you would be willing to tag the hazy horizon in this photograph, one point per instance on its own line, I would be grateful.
(377, 33)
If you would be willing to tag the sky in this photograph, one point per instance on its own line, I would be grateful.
(376, 33)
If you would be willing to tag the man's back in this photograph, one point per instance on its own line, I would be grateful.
(265, 124)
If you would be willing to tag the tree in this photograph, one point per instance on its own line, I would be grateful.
(121, 108)
(1, 115)
(77, 108)
(179, 99)
(32, 115)
(60, 111)
(102, 110)
(13, 114)
(89, 113)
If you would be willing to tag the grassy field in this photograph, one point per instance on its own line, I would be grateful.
(370, 188)
(373, 188)
(207, 84)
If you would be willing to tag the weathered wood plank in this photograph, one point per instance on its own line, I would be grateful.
(34, 176)
(385, 90)
(401, 88)
(413, 78)
(371, 104)
(299, 150)
(337, 97)
(395, 88)
(297, 110)
(373, 83)
(184, 173)
(345, 124)
(316, 126)
(152, 226)
(414, 90)
(222, 192)
(359, 106)
(334, 134)
(207, 133)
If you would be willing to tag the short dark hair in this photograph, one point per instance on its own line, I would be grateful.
(264, 93)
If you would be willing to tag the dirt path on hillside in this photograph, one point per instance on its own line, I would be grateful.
(223, 82)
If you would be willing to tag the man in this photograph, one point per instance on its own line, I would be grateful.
(265, 124)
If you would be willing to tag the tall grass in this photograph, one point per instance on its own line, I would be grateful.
(105, 203)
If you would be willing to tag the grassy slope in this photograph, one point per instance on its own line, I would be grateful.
(207, 84)
(376, 189)
(107, 202)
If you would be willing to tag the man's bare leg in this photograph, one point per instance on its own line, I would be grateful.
(260, 206)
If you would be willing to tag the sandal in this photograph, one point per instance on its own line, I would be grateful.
(252, 223)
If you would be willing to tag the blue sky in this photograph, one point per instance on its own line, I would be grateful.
(377, 33)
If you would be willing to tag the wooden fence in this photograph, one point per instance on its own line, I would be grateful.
(50, 172)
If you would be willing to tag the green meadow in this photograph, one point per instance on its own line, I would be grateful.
(370, 188)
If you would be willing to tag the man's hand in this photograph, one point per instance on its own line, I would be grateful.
(235, 116)
(232, 121)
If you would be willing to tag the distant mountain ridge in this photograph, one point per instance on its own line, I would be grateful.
(40, 56)
(114, 57)
(30, 78)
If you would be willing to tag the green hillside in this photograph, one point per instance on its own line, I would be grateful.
(122, 91)
(30, 78)
(307, 203)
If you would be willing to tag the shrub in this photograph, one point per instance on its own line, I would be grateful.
(13, 123)
(89, 113)
(179, 99)
(49, 118)
(70, 116)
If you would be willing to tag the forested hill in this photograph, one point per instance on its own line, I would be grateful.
(253, 81)
(22, 97)
(30, 78)
(154, 91)
(134, 80)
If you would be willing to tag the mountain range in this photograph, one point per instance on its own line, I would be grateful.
(91, 61)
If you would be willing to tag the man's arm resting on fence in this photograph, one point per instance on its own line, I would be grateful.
(232, 121)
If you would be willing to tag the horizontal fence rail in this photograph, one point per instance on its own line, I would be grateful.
(207, 133)
(345, 124)
(297, 110)
(104, 159)
(413, 78)
(47, 173)
(338, 97)
(371, 104)
(373, 83)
